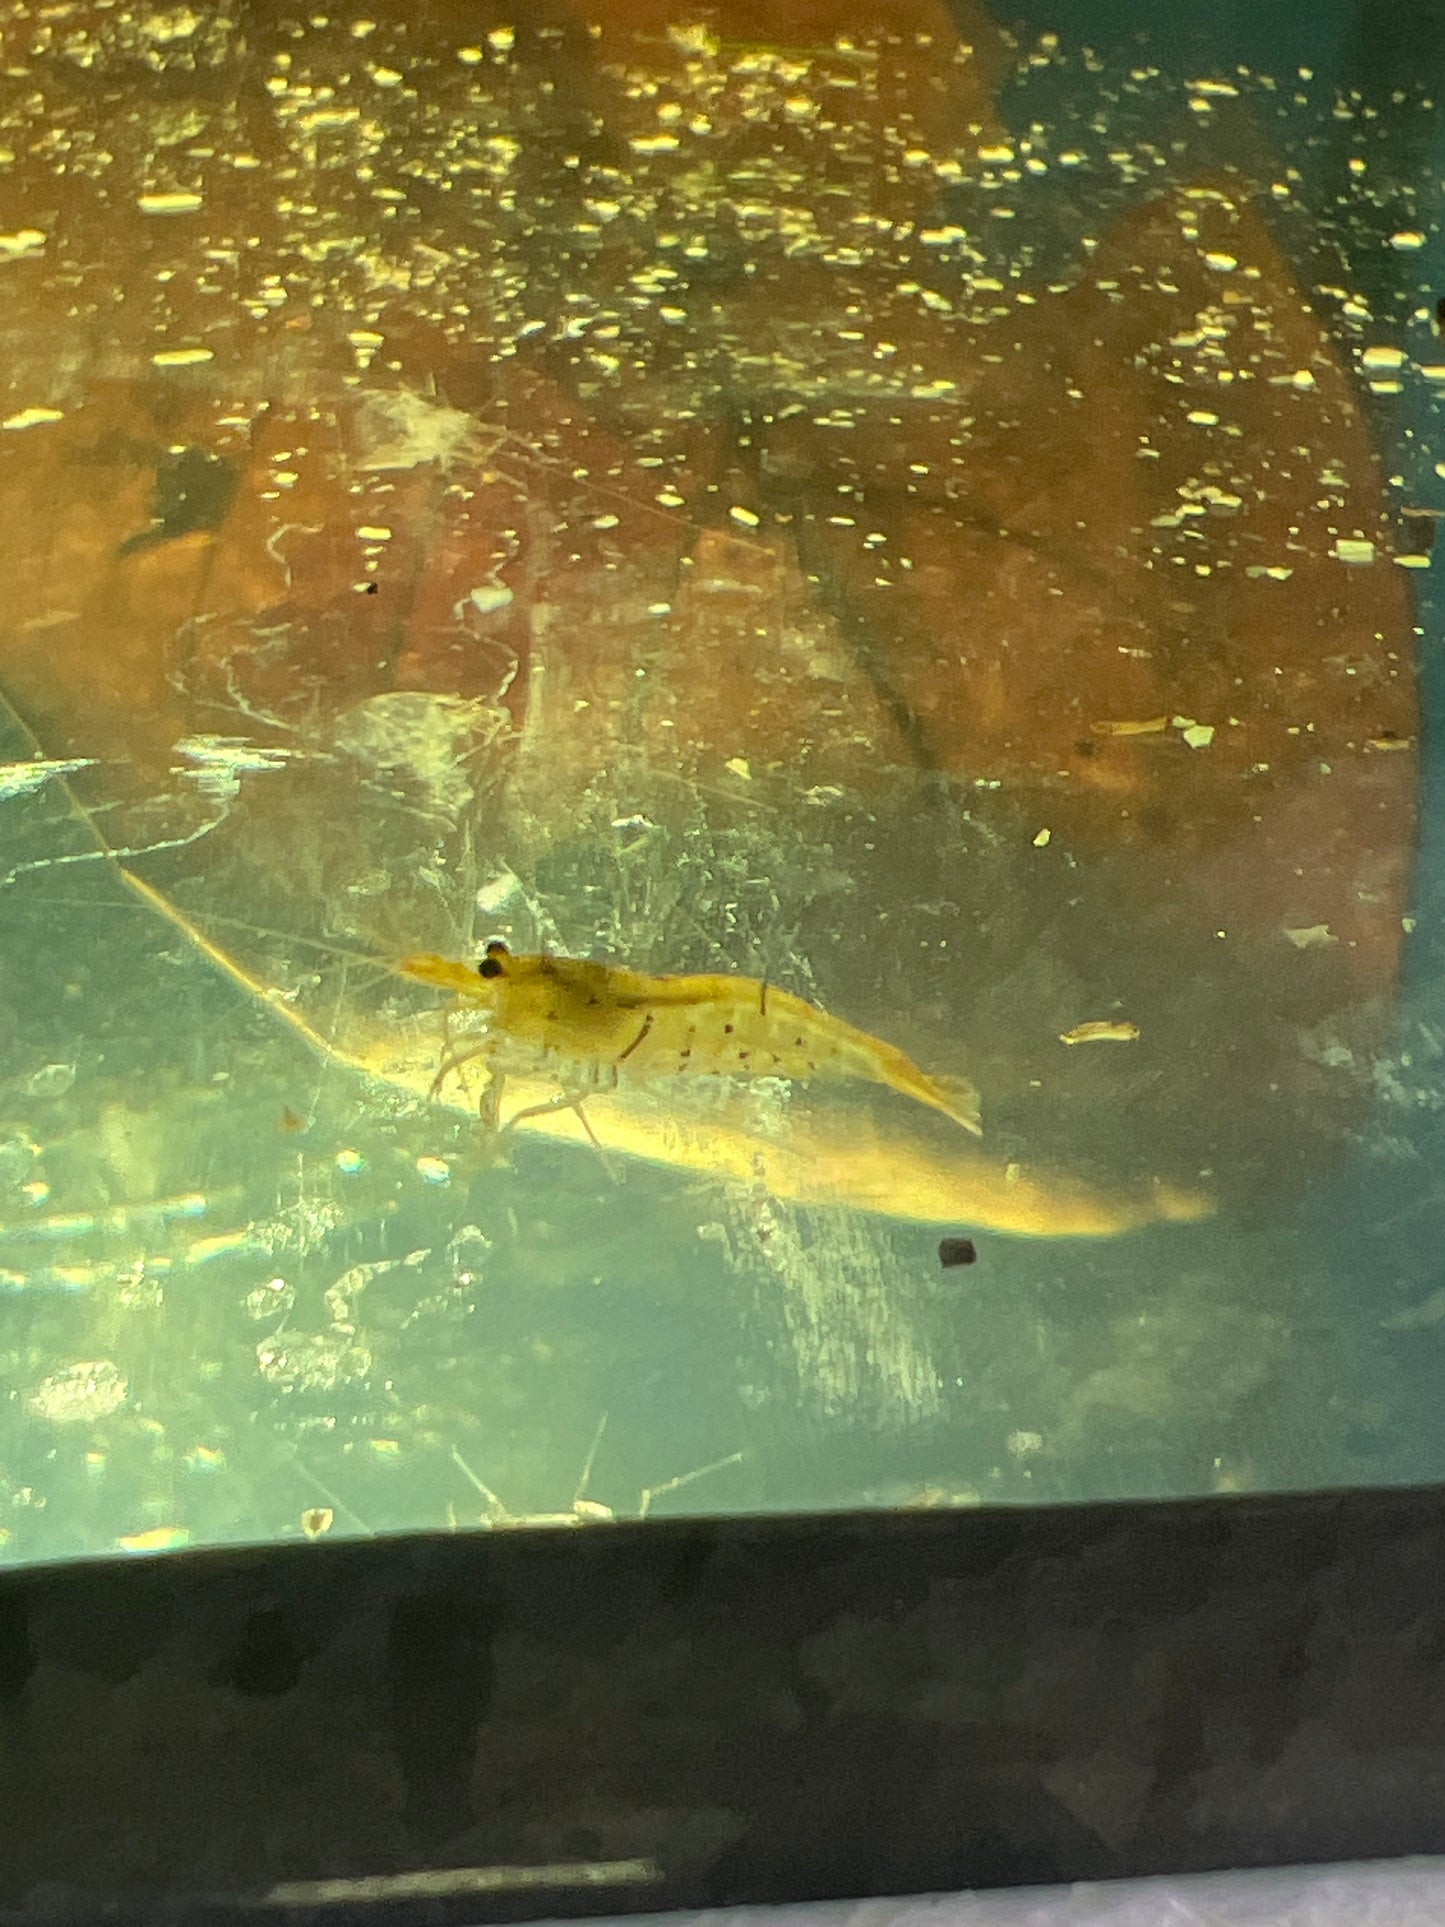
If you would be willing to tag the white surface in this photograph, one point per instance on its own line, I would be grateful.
(1386, 1893)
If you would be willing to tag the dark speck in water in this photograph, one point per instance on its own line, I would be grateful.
(956, 1251)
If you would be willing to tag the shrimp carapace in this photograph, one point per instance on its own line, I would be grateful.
(595, 1026)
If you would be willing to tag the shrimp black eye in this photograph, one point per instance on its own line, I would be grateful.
(489, 967)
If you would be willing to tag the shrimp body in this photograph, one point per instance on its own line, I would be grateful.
(595, 1025)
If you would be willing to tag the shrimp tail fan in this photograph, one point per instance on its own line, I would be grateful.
(960, 1099)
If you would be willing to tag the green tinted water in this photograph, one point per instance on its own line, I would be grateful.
(625, 424)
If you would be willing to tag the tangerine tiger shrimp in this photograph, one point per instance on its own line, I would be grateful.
(595, 1026)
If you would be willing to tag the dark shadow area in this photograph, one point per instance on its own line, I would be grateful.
(522, 1724)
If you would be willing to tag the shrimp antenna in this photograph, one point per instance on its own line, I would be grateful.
(156, 901)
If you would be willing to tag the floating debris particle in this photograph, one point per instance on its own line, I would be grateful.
(1317, 936)
(1406, 240)
(219, 762)
(956, 1251)
(51, 1080)
(173, 201)
(92, 1389)
(434, 1170)
(25, 240)
(1042, 840)
(1101, 1030)
(158, 1539)
(312, 1361)
(490, 597)
(1198, 735)
(349, 1162)
(1354, 550)
(23, 779)
(316, 1520)
(1382, 360)
(274, 1298)
(33, 418)
(1150, 726)
(182, 357)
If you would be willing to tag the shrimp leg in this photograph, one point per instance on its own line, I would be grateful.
(449, 1058)
(570, 1101)
(491, 1101)
(453, 1059)
(565, 1100)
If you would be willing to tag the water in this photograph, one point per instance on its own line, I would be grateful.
(932, 519)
